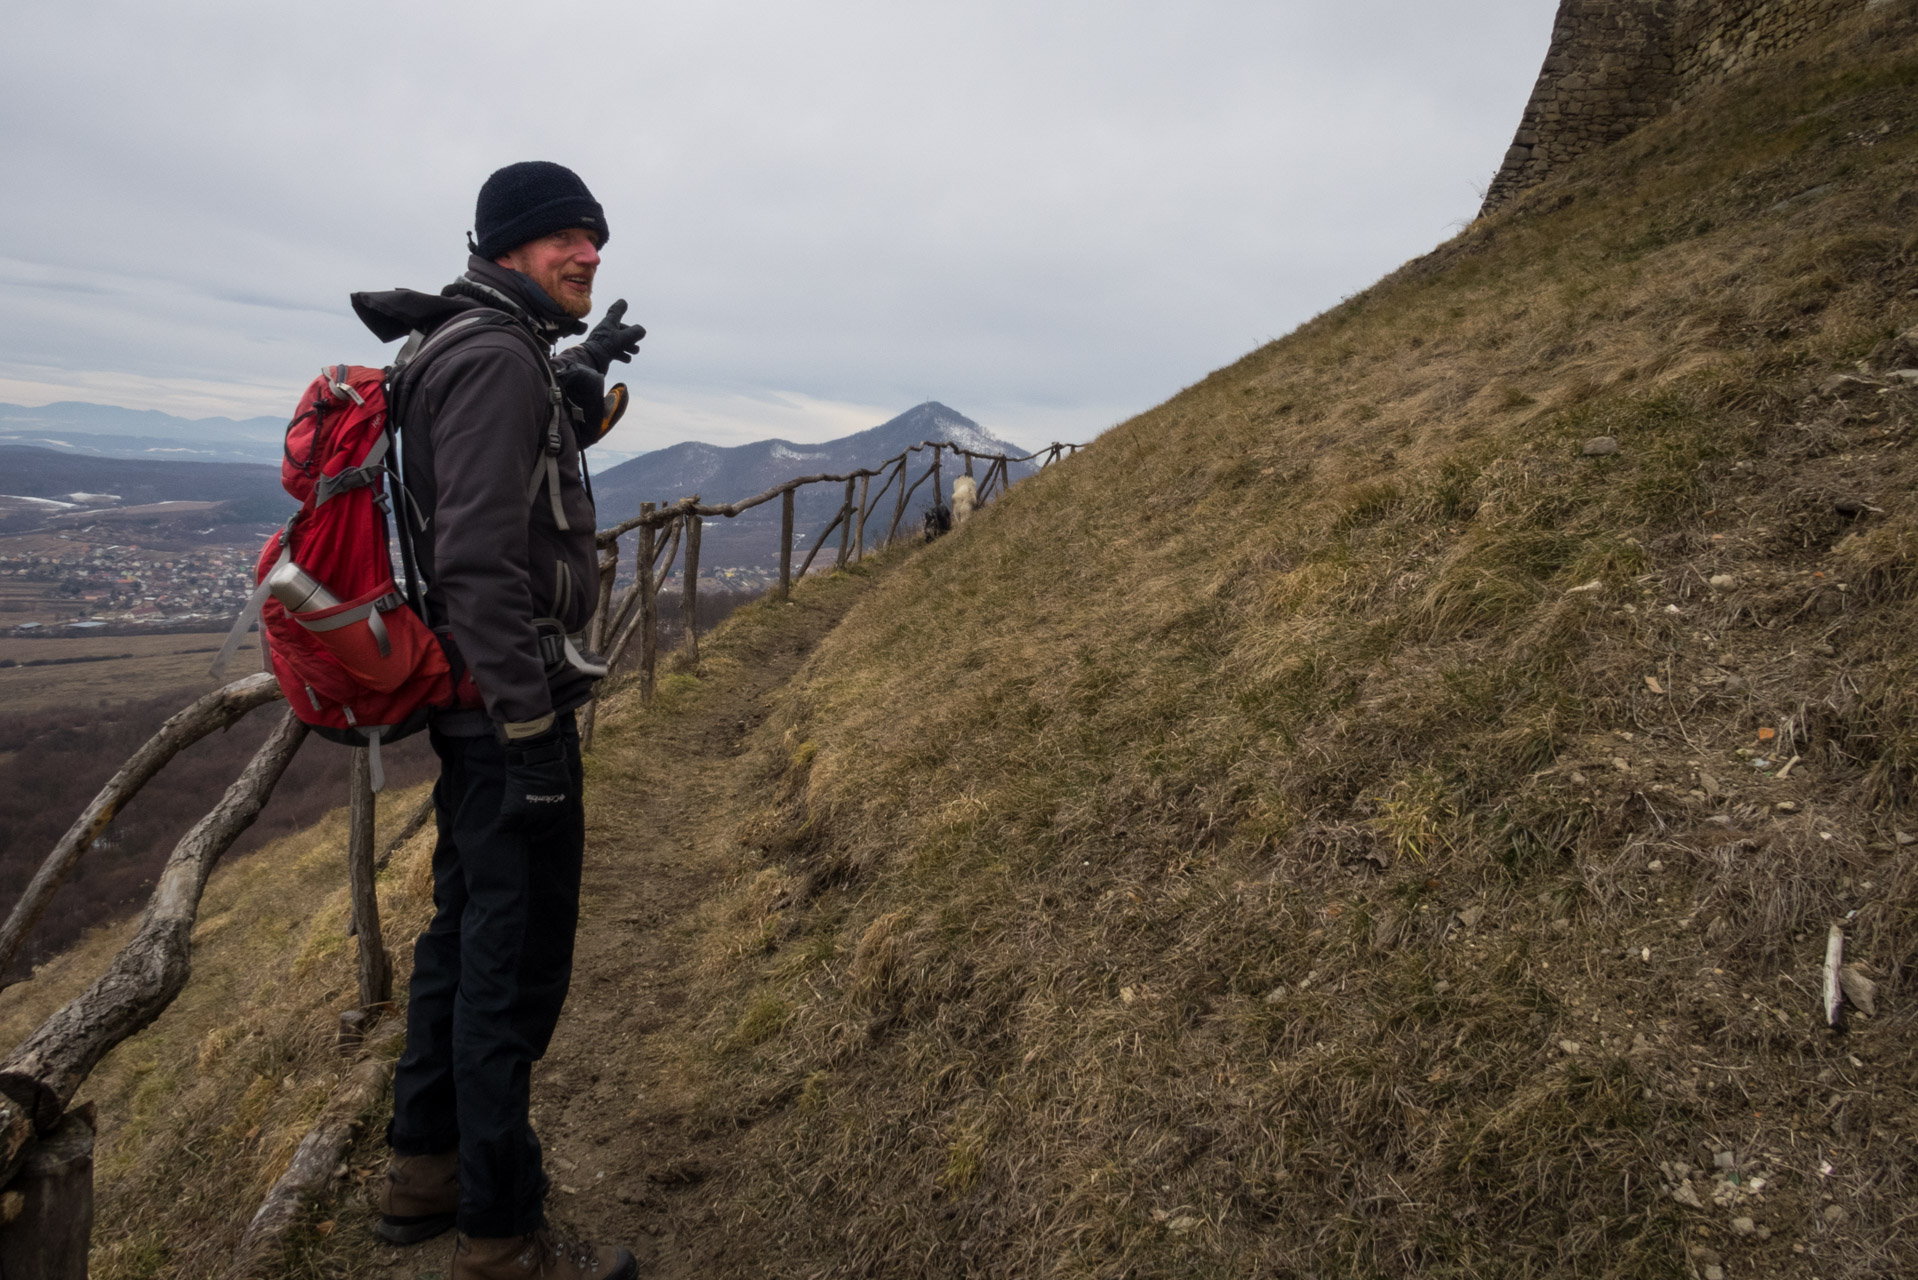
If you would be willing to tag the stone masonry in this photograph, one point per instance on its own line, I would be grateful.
(1614, 64)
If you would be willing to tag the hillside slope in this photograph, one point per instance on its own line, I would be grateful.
(1358, 832)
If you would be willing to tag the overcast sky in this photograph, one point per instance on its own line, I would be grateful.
(1048, 216)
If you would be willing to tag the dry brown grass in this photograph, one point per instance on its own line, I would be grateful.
(1243, 851)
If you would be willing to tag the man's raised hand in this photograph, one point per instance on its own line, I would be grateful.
(611, 339)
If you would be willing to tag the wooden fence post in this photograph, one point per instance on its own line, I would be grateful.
(938, 481)
(845, 527)
(859, 535)
(648, 608)
(899, 507)
(601, 629)
(786, 545)
(689, 605)
(968, 462)
(52, 1226)
(376, 972)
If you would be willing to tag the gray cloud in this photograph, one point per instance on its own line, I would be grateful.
(1049, 217)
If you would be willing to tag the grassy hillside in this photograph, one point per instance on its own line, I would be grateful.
(1336, 827)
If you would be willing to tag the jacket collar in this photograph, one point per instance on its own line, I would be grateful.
(513, 292)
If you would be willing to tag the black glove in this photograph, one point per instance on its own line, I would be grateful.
(611, 340)
(585, 390)
(539, 784)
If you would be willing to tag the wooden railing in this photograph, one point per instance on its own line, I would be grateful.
(663, 529)
(46, 1181)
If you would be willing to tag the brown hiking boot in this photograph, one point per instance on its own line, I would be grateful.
(540, 1256)
(420, 1198)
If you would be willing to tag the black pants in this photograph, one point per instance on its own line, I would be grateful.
(489, 976)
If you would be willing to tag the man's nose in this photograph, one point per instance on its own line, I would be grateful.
(588, 256)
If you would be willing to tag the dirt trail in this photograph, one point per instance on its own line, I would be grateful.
(626, 1160)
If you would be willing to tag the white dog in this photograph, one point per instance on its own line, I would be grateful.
(965, 496)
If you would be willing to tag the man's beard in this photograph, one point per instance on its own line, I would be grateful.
(576, 307)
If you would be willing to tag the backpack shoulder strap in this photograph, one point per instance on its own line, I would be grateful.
(421, 347)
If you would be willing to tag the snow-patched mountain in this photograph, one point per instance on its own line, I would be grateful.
(728, 474)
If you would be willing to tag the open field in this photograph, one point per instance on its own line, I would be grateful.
(123, 668)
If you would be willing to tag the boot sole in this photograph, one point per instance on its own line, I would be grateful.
(404, 1231)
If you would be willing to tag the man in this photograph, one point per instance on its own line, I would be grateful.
(491, 429)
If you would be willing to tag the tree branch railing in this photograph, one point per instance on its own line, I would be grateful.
(220, 709)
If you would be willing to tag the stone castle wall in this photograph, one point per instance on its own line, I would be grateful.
(1614, 64)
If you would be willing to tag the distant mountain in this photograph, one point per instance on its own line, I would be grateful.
(107, 431)
(728, 474)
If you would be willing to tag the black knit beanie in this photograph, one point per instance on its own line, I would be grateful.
(528, 200)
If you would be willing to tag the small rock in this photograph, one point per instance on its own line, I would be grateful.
(1684, 1194)
(1722, 580)
(1860, 990)
(1737, 684)
(1744, 1227)
(1600, 446)
(1845, 383)
(1561, 926)
(1441, 986)
(1786, 806)
(1655, 866)
(1277, 995)
(1621, 764)
(1714, 1272)
(1470, 916)
(1904, 837)
(1724, 1160)
(1578, 779)
(1835, 1215)
(1569, 1048)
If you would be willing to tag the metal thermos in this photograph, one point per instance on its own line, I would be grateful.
(297, 590)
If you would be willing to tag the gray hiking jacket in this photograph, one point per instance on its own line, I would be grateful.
(504, 545)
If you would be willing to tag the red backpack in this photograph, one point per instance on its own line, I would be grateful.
(353, 656)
